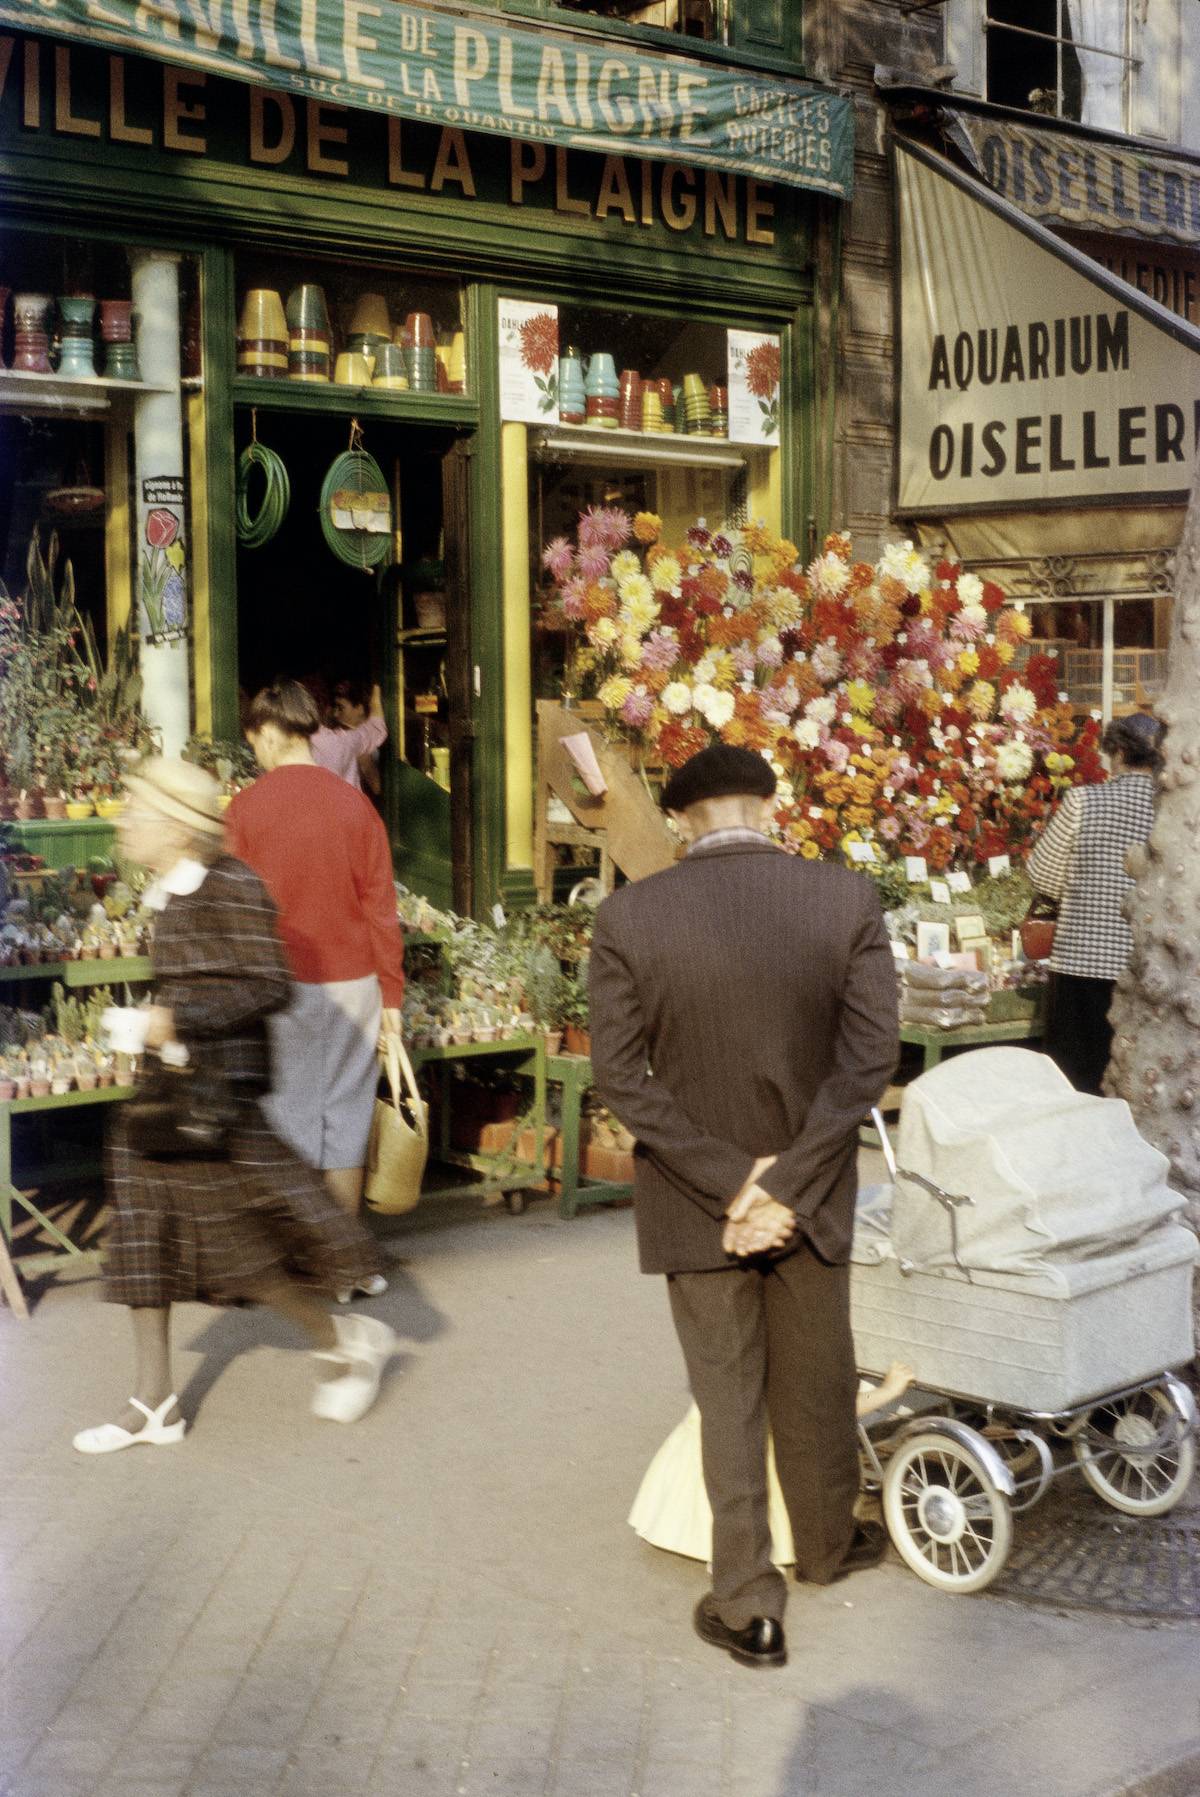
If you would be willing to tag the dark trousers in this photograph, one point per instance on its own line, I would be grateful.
(1078, 1033)
(771, 1344)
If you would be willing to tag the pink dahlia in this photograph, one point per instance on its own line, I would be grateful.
(637, 710)
(557, 557)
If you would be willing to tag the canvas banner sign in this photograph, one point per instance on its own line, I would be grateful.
(1024, 379)
(478, 74)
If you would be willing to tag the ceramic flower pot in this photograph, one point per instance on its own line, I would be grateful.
(116, 321)
(39, 1088)
(31, 312)
(8, 1090)
(78, 809)
(263, 335)
(77, 356)
(554, 1041)
(572, 399)
(371, 315)
(55, 807)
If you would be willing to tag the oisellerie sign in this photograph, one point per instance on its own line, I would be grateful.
(57, 90)
(473, 72)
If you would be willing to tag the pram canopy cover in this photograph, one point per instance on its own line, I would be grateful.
(1055, 1177)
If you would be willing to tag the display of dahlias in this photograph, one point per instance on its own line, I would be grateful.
(898, 701)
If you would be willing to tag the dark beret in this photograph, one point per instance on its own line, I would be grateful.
(718, 773)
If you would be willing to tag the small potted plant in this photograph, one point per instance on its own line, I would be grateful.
(87, 1074)
(39, 1076)
(577, 1037)
(8, 1083)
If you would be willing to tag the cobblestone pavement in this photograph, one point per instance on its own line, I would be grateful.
(447, 1599)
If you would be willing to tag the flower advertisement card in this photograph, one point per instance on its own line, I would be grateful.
(528, 361)
(755, 368)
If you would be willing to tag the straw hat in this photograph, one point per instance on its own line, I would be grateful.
(180, 791)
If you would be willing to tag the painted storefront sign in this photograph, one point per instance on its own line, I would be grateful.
(512, 80)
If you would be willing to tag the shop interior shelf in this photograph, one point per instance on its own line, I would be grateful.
(357, 402)
(579, 443)
(58, 393)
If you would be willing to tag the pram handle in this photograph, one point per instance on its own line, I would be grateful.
(948, 1200)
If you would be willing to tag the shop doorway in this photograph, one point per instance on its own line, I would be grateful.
(304, 612)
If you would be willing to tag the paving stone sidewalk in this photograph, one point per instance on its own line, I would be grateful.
(446, 1598)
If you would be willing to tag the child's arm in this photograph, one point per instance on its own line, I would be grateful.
(894, 1384)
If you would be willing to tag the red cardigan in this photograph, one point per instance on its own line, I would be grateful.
(322, 852)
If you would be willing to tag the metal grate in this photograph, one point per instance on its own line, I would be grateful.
(1071, 1552)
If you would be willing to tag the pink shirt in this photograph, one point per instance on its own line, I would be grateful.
(339, 750)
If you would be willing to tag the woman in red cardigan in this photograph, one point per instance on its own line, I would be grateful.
(322, 852)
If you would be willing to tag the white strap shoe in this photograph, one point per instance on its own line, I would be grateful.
(364, 1348)
(110, 1438)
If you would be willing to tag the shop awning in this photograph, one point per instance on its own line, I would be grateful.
(1029, 376)
(1081, 182)
(476, 72)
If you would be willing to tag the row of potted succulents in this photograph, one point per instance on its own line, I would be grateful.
(71, 915)
(57, 1050)
(472, 982)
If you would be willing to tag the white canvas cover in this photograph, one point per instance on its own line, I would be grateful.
(1055, 1176)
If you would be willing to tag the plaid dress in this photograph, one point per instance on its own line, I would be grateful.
(209, 1230)
(1079, 859)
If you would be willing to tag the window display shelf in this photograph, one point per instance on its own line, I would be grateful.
(638, 449)
(357, 402)
(56, 393)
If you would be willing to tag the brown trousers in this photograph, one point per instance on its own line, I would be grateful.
(770, 1344)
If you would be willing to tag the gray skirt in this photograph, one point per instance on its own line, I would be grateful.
(324, 1071)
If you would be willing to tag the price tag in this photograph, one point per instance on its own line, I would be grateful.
(860, 851)
(939, 892)
(999, 864)
(958, 881)
(917, 869)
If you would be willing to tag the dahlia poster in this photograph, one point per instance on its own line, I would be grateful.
(755, 369)
(528, 361)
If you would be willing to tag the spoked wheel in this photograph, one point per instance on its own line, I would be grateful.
(1137, 1453)
(944, 1514)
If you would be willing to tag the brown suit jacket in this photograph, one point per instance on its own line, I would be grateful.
(743, 1003)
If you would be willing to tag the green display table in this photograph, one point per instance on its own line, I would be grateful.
(502, 1173)
(573, 1072)
(934, 1043)
(65, 844)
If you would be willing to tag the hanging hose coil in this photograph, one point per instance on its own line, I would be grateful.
(253, 532)
(356, 489)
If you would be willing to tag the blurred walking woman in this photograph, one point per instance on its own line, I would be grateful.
(322, 852)
(1079, 859)
(257, 1225)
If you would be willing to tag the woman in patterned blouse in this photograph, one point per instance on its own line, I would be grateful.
(1079, 860)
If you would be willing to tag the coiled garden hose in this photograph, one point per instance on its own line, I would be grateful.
(356, 487)
(277, 495)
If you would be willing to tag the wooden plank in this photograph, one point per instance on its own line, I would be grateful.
(10, 1285)
(635, 831)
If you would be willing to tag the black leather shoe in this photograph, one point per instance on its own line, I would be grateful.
(760, 1643)
(868, 1546)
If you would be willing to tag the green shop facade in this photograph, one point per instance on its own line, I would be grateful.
(488, 194)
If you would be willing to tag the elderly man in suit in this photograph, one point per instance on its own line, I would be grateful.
(743, 1013)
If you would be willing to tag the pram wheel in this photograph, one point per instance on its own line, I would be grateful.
(944, 1514)
(1136, 1453)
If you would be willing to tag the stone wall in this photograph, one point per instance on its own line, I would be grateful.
(845, 40)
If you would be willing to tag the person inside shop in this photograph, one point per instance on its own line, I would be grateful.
(349, 744)
(744, 1021)
(323, 853)
(251, 1222)
(355, 704)
(1079, 861)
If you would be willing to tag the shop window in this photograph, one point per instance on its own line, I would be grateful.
(1111, 650)
(72, 375)
(704, 19)
(1070, 59)
(642, 466)
(344, 324)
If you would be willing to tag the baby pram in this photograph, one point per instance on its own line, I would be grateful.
(1028, 1263)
